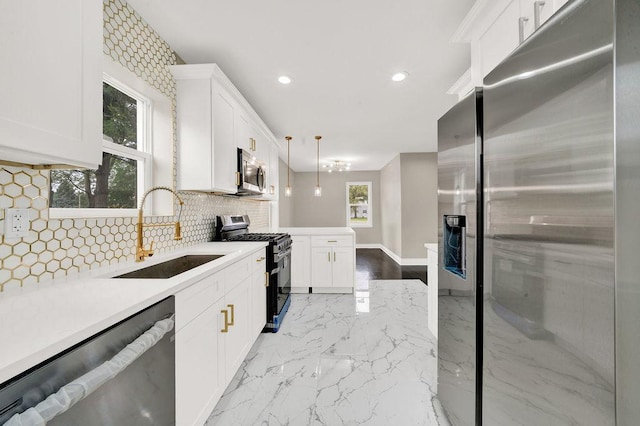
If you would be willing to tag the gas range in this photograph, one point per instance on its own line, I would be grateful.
(278, 265)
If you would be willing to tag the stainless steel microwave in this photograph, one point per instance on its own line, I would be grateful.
(251, 174)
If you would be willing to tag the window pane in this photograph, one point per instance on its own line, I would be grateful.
(112, 185)
(358, 194)
(359, 213)
(119, 117)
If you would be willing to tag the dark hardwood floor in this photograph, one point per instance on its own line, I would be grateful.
(374, 264)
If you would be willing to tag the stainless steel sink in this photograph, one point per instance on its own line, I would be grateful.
(172, 267)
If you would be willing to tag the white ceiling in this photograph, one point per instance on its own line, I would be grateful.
(341, 55)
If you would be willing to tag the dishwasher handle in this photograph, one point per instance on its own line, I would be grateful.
(72, 393)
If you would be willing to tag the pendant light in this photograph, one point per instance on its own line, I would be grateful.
(287, 190)
(318, 191)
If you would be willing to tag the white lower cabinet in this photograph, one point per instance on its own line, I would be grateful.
(216, 325)
(199, 381)
(236, 336)
(332, 264)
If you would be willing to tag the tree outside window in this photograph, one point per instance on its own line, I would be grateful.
(118, 181)
(359, 204)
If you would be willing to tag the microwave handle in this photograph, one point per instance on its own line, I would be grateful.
(261, 179)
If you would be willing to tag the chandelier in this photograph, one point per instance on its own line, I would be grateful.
(337, 166)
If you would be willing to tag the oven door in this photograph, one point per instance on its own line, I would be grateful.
(279, 289)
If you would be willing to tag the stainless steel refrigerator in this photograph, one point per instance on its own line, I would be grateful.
(545, 332)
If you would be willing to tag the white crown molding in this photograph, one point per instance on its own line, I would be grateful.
(475, 23)
(462, 86)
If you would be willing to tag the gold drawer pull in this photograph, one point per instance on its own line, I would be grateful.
(266, 279)
(261, 259)
(226, 321)
(332, 241)
(233, 316)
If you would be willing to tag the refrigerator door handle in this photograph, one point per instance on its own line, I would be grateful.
(521, 22)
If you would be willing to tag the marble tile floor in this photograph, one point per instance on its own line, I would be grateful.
(341, 360)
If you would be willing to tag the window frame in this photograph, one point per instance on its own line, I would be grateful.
(144, 116)
(369, 223)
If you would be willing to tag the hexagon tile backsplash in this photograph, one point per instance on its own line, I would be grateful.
(59, 247)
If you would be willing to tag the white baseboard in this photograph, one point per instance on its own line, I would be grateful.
(392, 255)
(414, 261)
(408, 261)
(369, 246)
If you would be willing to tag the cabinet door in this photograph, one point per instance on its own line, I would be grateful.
(225, 158)
(501, 38)
(51, 82)
(237, 341)
(300, 262)
(343, 273)
(321, 262)
(199, 381)
(258, 299)
(245, 133)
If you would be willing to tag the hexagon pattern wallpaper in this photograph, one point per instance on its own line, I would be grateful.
(56, 248)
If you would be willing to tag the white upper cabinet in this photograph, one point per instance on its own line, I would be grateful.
(214, 120)
(51, 82)
(206, 120)
(494, 29)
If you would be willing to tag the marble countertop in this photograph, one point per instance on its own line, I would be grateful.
(40, 320)
(318, 231)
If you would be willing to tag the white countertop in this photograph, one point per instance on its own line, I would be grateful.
(318, 231)
(40, 320)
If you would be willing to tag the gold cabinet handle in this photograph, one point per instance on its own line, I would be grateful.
(328, 256)
(332, 241)
(261, 259)
(226, 321)
(334, 256)
(266, 279)
(233, 316)
(237, 178)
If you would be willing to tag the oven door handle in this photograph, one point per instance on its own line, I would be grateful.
(280, 256)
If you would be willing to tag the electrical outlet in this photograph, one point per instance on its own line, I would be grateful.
(16, 223)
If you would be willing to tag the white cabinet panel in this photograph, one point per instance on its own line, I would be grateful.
(224, 151)
(321, 271)
(199, 381)
(501, 38)
(237, 338)
(300, 263)
(343, 266)
(258, 294)
(51, 82)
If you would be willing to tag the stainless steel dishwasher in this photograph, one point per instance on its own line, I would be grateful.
(124, 375)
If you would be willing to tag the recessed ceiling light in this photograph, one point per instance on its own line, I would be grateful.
(285, 79)
(399, 76)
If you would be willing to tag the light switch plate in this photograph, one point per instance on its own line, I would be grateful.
(16, 223)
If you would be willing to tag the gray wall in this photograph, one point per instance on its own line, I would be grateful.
(391, 206)
(331, 208)
(404, 195)
(285, 204)
(419, 183)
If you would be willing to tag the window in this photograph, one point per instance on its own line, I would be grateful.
(125, 171)
(359, 204)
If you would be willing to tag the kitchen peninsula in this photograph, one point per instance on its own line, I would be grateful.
(323, 259)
